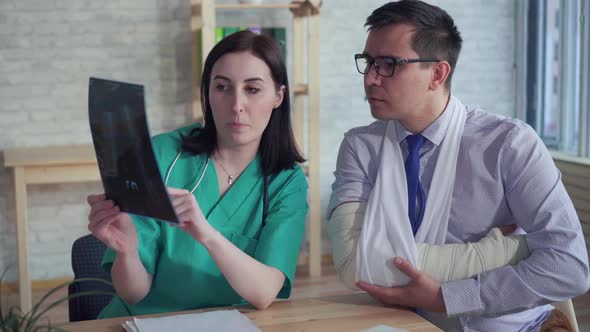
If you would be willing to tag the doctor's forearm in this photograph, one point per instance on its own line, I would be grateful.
(130, 278)
(257, 283)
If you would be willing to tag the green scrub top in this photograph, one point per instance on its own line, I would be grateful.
(184, 274)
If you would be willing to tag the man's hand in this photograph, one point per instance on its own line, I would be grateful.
(422, 292)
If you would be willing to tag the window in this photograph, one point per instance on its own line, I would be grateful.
(553, 72)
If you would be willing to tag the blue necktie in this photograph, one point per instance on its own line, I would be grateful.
(415, 190)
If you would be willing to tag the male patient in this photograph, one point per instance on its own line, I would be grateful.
(432, 168)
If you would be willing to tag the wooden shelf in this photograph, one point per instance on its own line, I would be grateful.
(300, 89)
(236, 6)
(50, 156)
(305, 169)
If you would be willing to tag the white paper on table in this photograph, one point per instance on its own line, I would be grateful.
(221, 320)
(129, 326)
(384, 328)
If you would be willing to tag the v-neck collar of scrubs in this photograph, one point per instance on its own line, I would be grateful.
(243, 186)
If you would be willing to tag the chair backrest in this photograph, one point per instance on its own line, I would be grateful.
(87, 253)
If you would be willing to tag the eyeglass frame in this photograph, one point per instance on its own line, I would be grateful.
(396, 61)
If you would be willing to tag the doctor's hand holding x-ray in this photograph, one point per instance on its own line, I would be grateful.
(117, 231)
(111, 226)
(190, 216)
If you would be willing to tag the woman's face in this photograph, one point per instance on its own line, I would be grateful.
(243, 95)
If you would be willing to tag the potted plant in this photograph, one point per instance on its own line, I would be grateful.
(14, 320)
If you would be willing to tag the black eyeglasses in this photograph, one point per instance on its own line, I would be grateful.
(384, 65)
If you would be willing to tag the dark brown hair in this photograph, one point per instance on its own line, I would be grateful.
(278, 150)
(436, 34)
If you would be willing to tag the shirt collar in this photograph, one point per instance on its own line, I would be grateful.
(435, 132)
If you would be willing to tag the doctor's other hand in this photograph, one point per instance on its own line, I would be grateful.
(189, 214)
(422, 292)
(111, 226)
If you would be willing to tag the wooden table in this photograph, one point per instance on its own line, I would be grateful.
(46, 165)
(355, 312)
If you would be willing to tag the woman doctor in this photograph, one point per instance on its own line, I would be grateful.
(236, 186)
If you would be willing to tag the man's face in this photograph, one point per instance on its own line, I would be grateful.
(402, 96)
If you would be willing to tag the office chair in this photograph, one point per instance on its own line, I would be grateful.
(87, 253)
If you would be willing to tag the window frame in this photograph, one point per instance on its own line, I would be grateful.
(574, 75)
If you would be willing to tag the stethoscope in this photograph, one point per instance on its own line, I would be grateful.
(174, 163)
(265, 193)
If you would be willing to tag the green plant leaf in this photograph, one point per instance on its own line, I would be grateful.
(1, 310)
(34, 321)
(14, 319)
(35, 318)
(36, 313)
(66, 284)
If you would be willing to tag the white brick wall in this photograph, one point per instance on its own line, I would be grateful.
(48, 49)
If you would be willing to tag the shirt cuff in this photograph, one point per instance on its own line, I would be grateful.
(462, 297)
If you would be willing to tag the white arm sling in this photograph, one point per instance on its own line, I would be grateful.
(386, 231)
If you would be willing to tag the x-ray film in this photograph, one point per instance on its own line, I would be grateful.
(123, 146)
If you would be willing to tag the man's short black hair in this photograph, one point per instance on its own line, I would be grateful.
(436, 34)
